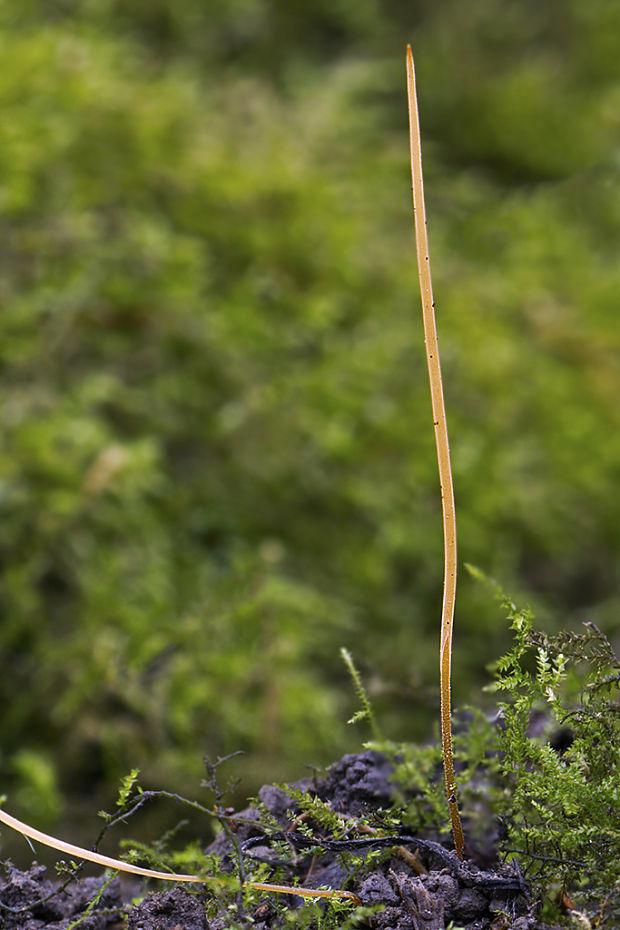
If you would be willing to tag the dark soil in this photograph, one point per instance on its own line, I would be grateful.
(419, 883)
(30, 901)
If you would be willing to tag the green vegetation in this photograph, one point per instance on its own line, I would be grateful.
(546, 768)
(561, 803)
(366, 712)
(215, 467)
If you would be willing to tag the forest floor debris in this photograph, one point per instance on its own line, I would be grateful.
(408, 882)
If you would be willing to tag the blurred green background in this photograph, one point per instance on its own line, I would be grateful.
(217, 461)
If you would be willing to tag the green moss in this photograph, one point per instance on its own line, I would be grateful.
(561, 802)
(544, 769)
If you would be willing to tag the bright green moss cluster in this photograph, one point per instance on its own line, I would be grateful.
(543, 772)
(560, 739)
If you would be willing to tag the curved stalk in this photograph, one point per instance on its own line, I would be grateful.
(443, 453)
(91, 856)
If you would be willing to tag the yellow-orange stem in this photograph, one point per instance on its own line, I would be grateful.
(443, 452)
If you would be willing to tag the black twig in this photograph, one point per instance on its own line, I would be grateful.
(446, 858)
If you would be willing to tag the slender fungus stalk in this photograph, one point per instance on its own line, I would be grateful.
(443, 453)
(121, 866)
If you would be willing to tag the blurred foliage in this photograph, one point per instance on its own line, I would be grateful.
(37, 786)
(217, 461)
